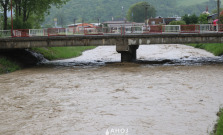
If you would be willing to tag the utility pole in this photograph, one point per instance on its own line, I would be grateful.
(1, 22)
(11, 20)
(98, 21)
(146, 14)
(74, 21)
(218, 5)
(123, 13)
(83, 25)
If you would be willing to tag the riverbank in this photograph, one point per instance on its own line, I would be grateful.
(219, 126)
(54, 53)
(216, 49)
(12, 60)
(7, 66)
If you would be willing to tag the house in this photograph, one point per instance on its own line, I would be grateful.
(115, 26)
(206, 11)
(81, 27)
(156, 21)
(161, 21)
(72, 26)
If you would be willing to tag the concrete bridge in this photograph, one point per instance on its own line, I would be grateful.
(125, 44)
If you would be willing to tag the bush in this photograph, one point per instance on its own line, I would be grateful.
(216, 49)
(52, 53)
(218, 130)
(177, 23)
(7, 66)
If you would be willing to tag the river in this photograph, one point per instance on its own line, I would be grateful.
(172, 90)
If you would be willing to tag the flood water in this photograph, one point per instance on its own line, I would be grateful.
(94, 93)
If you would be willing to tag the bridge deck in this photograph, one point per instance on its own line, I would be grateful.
(106, 40)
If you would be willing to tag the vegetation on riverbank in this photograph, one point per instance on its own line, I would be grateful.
(53, 53)
(215, 48)
(11, 61)
(7, 66)
(219, 126)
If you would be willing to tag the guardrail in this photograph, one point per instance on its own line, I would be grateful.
(5, 33)
(158, 29)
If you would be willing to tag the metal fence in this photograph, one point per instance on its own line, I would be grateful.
(134, 29)
(171, 28)
(21, 33)
(57, 32)
(37, 32)
(5, 33)
(150, 29)
(93, 31)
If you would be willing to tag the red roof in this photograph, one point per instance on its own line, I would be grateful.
(86, 25)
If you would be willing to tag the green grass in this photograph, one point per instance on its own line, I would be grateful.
(7, 66)
(216, 49)
(219, 128)
(53, 53)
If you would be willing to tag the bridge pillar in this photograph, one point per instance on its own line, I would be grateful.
(128, 53)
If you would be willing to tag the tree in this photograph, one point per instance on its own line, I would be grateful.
(190, 19)
(215, 11)
(203, 19)
(4, 4)
(186, 19)
(221, 19)
(177, 23)
(1, 18)
(194, 19)
(28, 13)
(137, 12)
(32, 11)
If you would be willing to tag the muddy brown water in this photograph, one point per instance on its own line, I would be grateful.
(143, 99)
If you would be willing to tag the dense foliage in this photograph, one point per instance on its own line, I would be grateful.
(219, 130)
(177, 23)
(193, 19)
(28, 13)
(215, 48)
(202, 19)
(137, 12)
(7, 65)
(91, 10)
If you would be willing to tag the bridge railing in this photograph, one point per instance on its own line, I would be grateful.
(114, 31)
(134, 29)
(220, 28)
(108, 30)
(93, 31)
(5, 33)
(159, 29)
(153, 29)
(21, 33)
(69, 31)
(205, 28)
(190, 29)
(37, 32)
(56, 31)
(171, 28)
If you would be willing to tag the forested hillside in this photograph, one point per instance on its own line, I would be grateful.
(90, 10)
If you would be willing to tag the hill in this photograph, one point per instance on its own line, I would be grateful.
(190, 2)
(90, 10)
